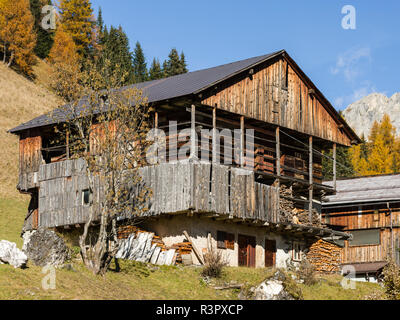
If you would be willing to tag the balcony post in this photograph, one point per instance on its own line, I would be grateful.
(334, 166)
(310, 192)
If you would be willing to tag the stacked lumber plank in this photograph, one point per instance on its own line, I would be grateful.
(324, 256)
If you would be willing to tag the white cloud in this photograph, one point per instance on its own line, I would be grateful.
(348, 63)
(365, 89)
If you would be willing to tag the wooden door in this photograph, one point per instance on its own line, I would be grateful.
(247, 251)
(270, 253)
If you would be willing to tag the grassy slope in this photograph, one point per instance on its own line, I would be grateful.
(21, 100)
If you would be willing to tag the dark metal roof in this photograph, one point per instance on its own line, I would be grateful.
(173, 87)
(187, 84)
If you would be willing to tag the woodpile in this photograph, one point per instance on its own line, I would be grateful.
(183, 252)
(324, 256)
(155, 247)
(303, 217)
(286, 206)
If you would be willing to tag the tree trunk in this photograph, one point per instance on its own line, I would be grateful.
(98, 257)
(11, 59)
(5, 53)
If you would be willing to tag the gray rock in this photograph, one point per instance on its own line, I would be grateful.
(272, 289)
(361, 114)
(9, 253)
(45, 247)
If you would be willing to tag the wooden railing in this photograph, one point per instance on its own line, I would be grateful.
(179, 187)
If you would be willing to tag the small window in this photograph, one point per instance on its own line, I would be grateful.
(225, 240)
(369, 237)
(86, 197)
(296, 256)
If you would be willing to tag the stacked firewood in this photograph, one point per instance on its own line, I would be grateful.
(124, 232)
(286, 206)
(183, 250)
(325, 257)
(302, 217)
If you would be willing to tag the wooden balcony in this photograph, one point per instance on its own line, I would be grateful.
(182, 187)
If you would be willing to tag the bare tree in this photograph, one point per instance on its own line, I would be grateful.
(106, 125)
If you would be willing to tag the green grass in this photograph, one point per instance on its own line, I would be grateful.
(136, 280)
(12, 216)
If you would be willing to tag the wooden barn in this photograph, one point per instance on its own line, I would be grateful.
(260, 217)
(369, 209)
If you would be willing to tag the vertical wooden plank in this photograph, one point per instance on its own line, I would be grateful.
(214, 136)
(334, 166)
(242, 141)
(310, 193)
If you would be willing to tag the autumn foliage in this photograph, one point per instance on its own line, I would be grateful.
(381, 154)
(17, 37)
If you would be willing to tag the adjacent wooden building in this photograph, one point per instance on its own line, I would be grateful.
(292, 121)
(369, 209)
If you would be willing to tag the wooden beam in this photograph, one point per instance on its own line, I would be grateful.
(193, 142)
(67, 142)
(278, 152)
(334, 166)
(278, 169)
(310, 192)
(196, 251)
(242, 141)
(156, 120)
(214, 136)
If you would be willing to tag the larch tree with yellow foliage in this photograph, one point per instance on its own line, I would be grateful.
(381, 154)
(78, 21)
(66, 61)
(17, 36)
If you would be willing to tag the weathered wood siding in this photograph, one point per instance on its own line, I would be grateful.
(176, 188)
(363, 218)
(276, 94)
(30, 158)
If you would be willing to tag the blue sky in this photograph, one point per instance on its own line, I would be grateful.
(344, 64)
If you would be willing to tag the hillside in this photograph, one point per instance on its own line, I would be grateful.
(361, 114)
(20, 101)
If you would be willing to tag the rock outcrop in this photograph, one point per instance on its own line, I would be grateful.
(45, 247)
(361, 114)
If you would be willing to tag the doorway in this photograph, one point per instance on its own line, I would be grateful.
(270, 253)
(247, 251)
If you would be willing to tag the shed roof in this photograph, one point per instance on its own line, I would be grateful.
(191, 83)
(367, 267)
(365, 189)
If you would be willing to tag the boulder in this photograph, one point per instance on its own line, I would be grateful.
(9, 253)
(275, 288)
(44, 247)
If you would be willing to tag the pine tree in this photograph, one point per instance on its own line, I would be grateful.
(344, 167)
(100, 21)
(155, 71)
(116, 54)
(77, 20)
(139, 64)
(17, 37)
(44, 37)
(183, 63)
(173, 65)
